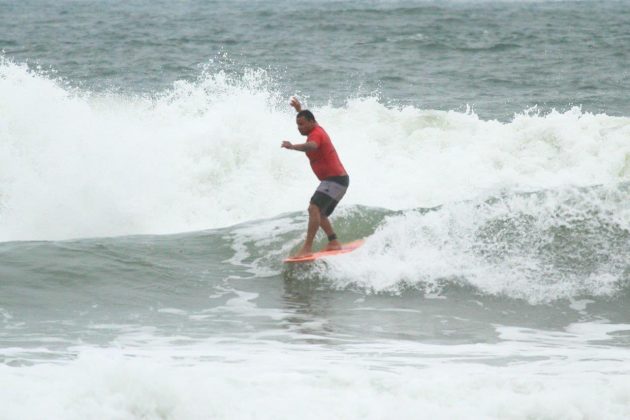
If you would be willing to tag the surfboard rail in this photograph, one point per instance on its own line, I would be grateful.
(345, 248)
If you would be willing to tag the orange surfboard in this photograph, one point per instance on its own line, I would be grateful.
(345, 248)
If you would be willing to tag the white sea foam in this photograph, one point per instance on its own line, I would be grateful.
(552, 376)
(206, 154)
(539, 247)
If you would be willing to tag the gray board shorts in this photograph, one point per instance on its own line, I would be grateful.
(329, 193)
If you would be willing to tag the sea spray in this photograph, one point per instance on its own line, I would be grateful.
(206, 154)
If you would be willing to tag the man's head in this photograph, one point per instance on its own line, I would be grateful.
(305, 121)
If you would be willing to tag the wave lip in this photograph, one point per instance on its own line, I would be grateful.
(205, 155)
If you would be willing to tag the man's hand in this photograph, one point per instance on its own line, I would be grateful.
(287, 145)
(295, 104)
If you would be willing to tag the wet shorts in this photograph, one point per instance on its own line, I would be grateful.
(329, 193)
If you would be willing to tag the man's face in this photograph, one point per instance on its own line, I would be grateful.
(304, 126)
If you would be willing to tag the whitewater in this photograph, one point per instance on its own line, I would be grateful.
(206, 154)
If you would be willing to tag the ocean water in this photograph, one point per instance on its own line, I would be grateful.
(146, 207)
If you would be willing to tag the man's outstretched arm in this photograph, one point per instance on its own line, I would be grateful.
(302, 147)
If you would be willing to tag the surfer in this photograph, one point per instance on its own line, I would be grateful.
(328, 169)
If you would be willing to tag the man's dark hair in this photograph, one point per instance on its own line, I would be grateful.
(308, 115)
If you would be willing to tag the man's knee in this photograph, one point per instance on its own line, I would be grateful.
(313, 210)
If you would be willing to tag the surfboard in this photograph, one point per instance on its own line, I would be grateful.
(345, 248)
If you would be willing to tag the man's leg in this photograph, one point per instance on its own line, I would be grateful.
(314, 220)
(327, 227)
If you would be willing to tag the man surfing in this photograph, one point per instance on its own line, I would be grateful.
(328, 169)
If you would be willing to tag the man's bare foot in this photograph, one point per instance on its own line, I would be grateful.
(304, 252)
(333, 245)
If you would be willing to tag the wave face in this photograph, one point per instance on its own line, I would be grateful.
(206, 154)
(540, 247)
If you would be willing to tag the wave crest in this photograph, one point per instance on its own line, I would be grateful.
(206, 154)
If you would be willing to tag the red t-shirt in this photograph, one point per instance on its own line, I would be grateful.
(324, 159)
